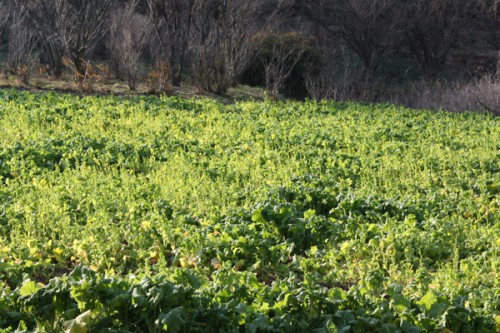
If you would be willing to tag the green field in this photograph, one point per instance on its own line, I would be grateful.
(156, 214)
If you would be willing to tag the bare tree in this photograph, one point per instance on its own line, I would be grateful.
(4, 12)
(487, 15)
(22, 43)
(81, 25)
(336, 77)
(226, 37)
(286, 51)
(128, 35)
(217, 25)
(44, 20)
(70, 28)
(488, 12)
(172, 21)
(367, 27)
(432, 30)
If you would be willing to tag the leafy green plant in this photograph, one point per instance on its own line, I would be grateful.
(164, 214)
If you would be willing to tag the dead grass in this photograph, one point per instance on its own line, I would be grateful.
(101, 83)
(477, 95)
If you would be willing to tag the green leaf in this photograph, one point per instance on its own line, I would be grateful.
(257, 216)
(432, 305)
(80, 323)
(309, 213)
(173, 320)
(260, 323)
(399, 303)
(427, 302)
(28, 288)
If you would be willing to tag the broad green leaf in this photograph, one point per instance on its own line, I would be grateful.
(29, 287)
(173, 320)
(80, 323)
(432, 305)
(428, 301)
(400, 303)
(309, 213)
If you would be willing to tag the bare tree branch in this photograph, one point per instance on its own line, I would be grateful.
(172, 21)
(22, 42)
(128, 35)
(367, 27)
(226, 37)
(284, 56)
(432, 29)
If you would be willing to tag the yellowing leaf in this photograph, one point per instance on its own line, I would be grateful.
(58, 251)
(146, 225)
(344, 247)
(215, 262)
